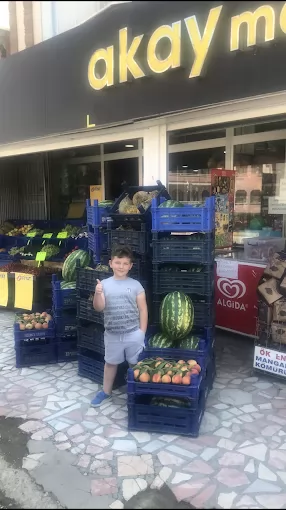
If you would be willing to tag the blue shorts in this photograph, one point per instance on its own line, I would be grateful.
(119, 347)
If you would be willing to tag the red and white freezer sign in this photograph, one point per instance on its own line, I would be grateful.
(236, 300)
(270, 361)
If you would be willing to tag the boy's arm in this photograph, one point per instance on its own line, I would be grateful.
(99, 298)
(143, 311)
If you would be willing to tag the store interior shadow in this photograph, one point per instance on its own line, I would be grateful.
(156, 499)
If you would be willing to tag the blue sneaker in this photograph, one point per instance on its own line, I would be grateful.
(99, 399)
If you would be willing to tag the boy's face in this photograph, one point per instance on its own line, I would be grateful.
(120, 266)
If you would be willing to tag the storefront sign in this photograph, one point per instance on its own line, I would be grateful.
(236, 300)
(139, 60)
(276, 206)
(3, 289)
(199, 38)
(24, 288)
(270, 361)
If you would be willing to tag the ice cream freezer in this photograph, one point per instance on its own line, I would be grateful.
(236, 301)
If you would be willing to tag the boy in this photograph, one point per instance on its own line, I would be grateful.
(123, 302)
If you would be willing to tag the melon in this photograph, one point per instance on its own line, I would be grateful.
(176, 315)
(170, 204)
(160, 341)
(70, 264)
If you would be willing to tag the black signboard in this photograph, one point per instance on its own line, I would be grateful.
(183, 55)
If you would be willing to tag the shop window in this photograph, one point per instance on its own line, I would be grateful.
(260, 127)
(191, 135)
(255, 196)
(122, 146)
(189, 177)
(259, 168)
(240, 196)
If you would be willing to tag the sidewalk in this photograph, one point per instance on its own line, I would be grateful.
(87, 458)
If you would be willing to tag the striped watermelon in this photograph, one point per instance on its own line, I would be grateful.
(160, 341)
(190, 343)
(69, 267)
(176, 315)
(105, 203)
(68, 285)
(170, 204)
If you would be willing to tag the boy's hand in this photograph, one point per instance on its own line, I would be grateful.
(99, 288)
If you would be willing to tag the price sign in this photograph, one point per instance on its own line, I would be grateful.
(62, 235)
(31, 234)
(48, 236)
(41, 256)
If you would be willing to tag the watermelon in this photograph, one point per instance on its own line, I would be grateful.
(170, 402)
(171, 203)
(190, 343)
(105, 203)
(68, 285)
(69, 267)
(160, 341)
(176, 315)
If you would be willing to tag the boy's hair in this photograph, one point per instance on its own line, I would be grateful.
(122, 251)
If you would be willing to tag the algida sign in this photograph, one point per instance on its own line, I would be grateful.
(199, 39)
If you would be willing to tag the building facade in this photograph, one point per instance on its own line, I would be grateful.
(32, 22)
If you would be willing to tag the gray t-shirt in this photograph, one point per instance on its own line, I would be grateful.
(121, 313)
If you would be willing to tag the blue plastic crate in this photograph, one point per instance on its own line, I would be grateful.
(183, 219)
(145, 214)
(204, 310)
(36, 354)
(97, 241)
(96, 216)
(163, 389)
(143, 416)
(65, 322)
(66, 348)
(195, 247)
(138, 240)
(86, 279)
(30, 334)
(91, 366)
(86, 311)
(91, 337)
(183, 280)
(63, 299)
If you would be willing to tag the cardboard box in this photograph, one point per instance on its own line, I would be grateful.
(278, 333)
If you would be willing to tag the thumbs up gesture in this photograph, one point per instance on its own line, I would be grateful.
(99, 288)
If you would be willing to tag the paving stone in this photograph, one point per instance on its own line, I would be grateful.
(132, 465)
(209, 453)
(250, 467)
(235, 397)
(225, 500)
(257, 451)
(124, 445)
(180, 477)
(264, 473)
(232, 477)
(131, 487)
(261, 486)
(276, 501)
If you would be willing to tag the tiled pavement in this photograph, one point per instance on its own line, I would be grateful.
(88, 459)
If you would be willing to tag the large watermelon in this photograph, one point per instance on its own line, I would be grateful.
(69, 267)
(170, 204)
(189, 343)
(160, 341)
(176, 315)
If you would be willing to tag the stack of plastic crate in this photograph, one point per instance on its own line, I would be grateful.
(97, 229)
(34, 346)
(90, 340)
(64, 313)
(183, 260)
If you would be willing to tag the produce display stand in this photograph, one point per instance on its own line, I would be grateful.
(33, 237)
(185, 264)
